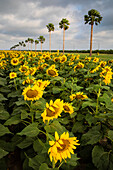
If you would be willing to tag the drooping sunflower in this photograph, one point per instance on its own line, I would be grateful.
(78, 66)
(62, 147)
(32, 93)
(31, 71)
(12, 75)
(42, 84)
(28, 81)
(51, 71)
(68, 108)
(78, 95)
(53, 110)
(14, 61)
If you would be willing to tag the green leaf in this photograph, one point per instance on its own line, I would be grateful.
(33, 162)
(78, 127)
(92, 136)
(20, 102)
(88, 103)
(55, 126)
(110, 134)
(90, 119)
(3, 153)
(4, 115)
(2, 97)
(100, 158)
(13, 120)
(44, 166)
(73, 160)
(25, 143)
(56, 90)
(64, 120)
(3, 130)
(30, 131)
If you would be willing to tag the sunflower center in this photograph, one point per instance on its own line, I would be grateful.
(50, 113)
(66, 108)
(32, 93)
(79, 96)
(24, 69)
(52, 72)
(15, 61)
(64, 146)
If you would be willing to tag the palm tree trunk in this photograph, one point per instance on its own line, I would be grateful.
(63, 39)
(91, 38)
(50, 41)
(31, 46)
(41, 47)
(28, 45)
(35, 47)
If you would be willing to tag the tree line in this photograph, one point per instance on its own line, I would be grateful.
(92, 18)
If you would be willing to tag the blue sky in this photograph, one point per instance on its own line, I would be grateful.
(28, 18)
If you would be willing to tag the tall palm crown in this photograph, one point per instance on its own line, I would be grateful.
(50, 28)
(64, 23)
(36, 42)
(92, 18)
(41, 39)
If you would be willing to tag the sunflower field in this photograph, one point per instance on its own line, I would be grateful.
(55, 111)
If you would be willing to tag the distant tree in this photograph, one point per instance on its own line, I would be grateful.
(92, 17)
(50, 28)
(41, 39)
(36, 42)
(64, 23)
(26, 41)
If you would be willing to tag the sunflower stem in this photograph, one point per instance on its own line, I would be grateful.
(98, 95)
(15, 84)
(60, 164)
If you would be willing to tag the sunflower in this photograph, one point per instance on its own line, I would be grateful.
(103, 63)
(95, 69)
(78, 66)
(42, 84)
(23, 68)
(51, 71)
(108, 78)
(32, 93)
(14, 61)
(78, 95)
(63, 59)
(68, 108)
(28, 81)
(12, 75)
(56, 59)
(96, 60)
(62, 147)
(31, 71)
(53, 110)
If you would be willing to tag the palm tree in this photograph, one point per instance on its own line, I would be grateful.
(31, 41)
(50, 28)
(64, 24)
(92, 17)
(36, 42)
(41, 39)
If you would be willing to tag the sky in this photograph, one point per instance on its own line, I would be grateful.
(23, 19)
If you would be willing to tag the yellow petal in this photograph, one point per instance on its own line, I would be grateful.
(56, 135)
(51, 143)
